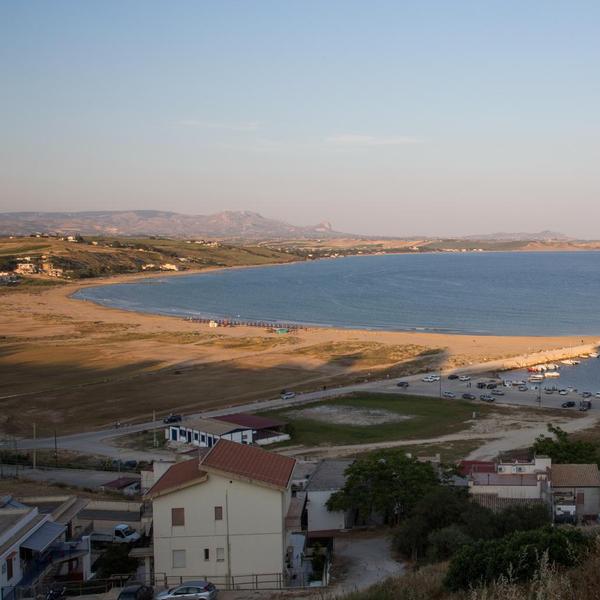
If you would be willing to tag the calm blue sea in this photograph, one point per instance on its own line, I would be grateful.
(554, 293)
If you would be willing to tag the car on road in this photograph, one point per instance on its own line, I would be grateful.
(548, 391)
(453, 376)
(172, 418)
(586, 394)
(285, 395)
(523, 388)
(190, 590)
(498, 392)
(469, 396)
(481, 385)
(568, 404)
(597, 394)
(137, 591)
(430, 378)
(449, 395)
(491, 386)
(486, 397)
(402, 384)
(464, 378)
(563, 392)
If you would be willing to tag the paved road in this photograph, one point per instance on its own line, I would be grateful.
(73, 477)
(98, 442)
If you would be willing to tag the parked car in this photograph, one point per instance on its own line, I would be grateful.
(563, 392)
(121, 534)
(491, 386)
(469, 396)
(287, 395)
(523, 388)
(464, 378)
(486, 397)
(429, 379)
(498, 392)
(172, 418)
(136, 591)
(568, 404)
(453, 376)
(586, 394)
(190, 590)
(402, 384)
(449, 395)
(481, 385)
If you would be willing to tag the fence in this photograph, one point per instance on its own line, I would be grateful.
(72, 588)
(260, 581)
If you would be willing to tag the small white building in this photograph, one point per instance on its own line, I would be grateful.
(329, 477)
(206, 432)
(223, 515)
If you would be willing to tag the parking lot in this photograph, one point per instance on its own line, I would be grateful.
(534, 396)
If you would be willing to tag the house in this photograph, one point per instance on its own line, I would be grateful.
(575, 492)
(242, 428)
(206, 432)
(169, 267)
(128, 486)
(517, 480)
(35, 544)
(264, 429)
(223, 516)
(26, 268)
(328, 478)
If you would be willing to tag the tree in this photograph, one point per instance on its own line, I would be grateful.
(562, 449)
(444, 543)
(386, 482)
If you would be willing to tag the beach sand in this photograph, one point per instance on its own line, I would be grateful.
(70, 364)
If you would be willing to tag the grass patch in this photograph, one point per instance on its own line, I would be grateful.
(143, 440)
(429, 417)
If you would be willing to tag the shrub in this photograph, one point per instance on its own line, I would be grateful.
(516, 556)
(443, 544)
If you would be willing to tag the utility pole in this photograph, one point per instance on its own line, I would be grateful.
(34, 449)
(55, 450)
(154, 443)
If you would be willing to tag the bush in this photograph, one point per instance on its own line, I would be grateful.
(443, 544)
(410, 538)
(516, 556)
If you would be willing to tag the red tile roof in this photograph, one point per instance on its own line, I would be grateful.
(467, 467)
(252, 421)
(250, 462)
(575, 476)
(178, 476)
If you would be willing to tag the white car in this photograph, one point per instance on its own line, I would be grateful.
(449, 395)
(464, 378)
(429, 379)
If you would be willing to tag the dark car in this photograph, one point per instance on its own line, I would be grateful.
(136, 591)
(469, 396)
(481, 385)
(492, 386)
(586, 394)
(453, 376)
(172, 418)
(568, 404)
(402, 384)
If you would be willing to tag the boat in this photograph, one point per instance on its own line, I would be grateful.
(594, 355)
(551, 374)
(576, 362)
(567, 362)
(534, 378)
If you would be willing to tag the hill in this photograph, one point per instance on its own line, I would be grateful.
(224, 225)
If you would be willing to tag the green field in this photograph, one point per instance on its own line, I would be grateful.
(430, 417)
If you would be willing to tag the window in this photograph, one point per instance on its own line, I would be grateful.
(177, 517)
(179, 559)
(220, 554)
(9, 568)
(206, 554)
(218, 513)
(202, 437)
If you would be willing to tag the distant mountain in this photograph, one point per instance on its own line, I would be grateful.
(542, 236)
(227, 224)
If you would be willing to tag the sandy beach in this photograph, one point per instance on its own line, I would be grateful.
(61, 357)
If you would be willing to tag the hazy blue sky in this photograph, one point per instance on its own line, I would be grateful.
(395, 117)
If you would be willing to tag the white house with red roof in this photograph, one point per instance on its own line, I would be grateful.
(223, 514)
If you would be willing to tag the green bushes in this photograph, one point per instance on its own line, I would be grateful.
(516, 556)
(446, 519)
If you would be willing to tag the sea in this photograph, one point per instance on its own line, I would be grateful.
(512, 293)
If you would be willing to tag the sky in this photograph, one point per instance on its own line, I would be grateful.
(384, 118)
